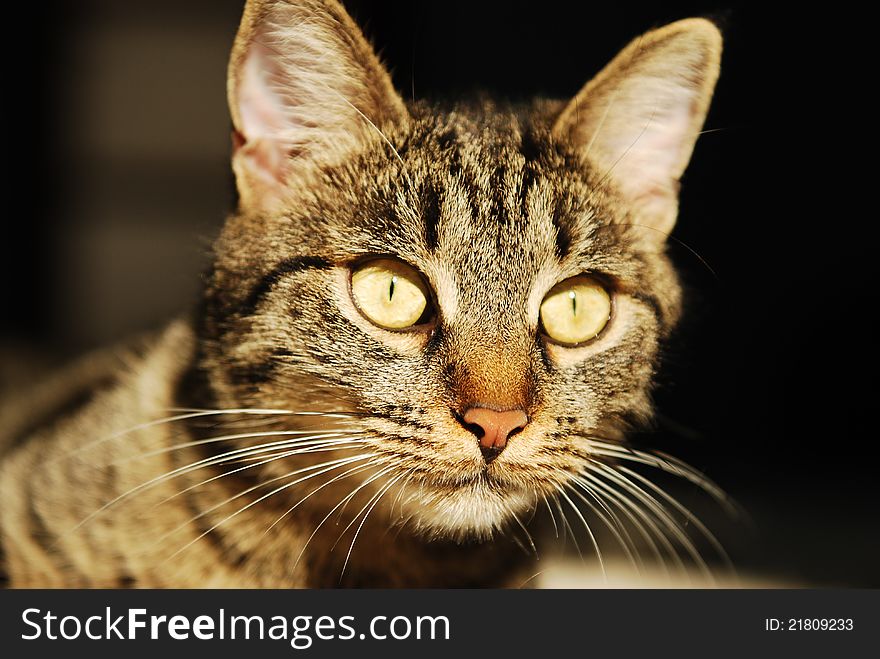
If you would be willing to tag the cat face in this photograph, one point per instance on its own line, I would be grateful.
(482, 288)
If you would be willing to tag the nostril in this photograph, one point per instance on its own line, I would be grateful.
(474, 428)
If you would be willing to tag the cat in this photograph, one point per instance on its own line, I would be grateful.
(422, 323)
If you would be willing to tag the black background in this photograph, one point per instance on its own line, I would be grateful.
(769, 385)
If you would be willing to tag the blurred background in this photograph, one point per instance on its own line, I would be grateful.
(116, 179)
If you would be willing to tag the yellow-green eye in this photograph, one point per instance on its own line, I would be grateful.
(575, 310)
(389, 293)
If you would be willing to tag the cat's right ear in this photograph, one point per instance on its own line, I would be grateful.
(305, 88)
(637, 121)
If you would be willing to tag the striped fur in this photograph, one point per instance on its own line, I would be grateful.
(494, 204)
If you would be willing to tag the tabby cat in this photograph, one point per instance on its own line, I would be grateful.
(421, 325)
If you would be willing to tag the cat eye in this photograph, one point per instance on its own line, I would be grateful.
(391, 294)
(575, 311)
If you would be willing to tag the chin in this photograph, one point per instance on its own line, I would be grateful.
(476, 511)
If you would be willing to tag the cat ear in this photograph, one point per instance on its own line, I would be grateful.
(637, 121)
(304, 87)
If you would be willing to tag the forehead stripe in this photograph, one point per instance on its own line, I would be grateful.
(431, 214)
(269, 280)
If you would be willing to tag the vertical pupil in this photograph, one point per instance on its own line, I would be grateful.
(574, 303)
(391, 288)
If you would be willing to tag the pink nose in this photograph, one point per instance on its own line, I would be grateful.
(493, 429)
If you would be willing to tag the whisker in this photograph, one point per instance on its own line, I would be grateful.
(661, 514)
(618, 524)
(191, 414)
(580, 481)
(552, 516)
(231, 438)
(588, 530)
(667, 463)
(318, 489)
(626, 503)
(260, 499)
(378, 496)
(383, 136)
(684, 511)
(321, 523)
(526, 531)
(206, 412)
(335, 508)
(669, 237)
(350, 496)
(531, 578)
(214, 460)
(566, 525)
(669, 526)
(616, 527)
(399, 496)
(260, 485)
(261, 460)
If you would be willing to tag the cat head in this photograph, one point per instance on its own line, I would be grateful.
(481, 287)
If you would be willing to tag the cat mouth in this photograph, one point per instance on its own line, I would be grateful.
(485, 478)
(490, 477)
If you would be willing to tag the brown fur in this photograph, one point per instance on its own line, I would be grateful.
(494, 205)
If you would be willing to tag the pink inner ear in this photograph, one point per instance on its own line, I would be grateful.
(260, 138)
(264, 158)
(260, 108)
(305, 91)
(649, 158)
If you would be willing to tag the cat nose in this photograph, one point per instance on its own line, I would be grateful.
(493, 429)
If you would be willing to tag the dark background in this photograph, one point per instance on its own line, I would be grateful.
(116, 179)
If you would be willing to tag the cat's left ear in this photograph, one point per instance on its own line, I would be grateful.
(305, 88)
(637, 121)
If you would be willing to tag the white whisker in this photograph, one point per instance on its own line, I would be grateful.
(684, 511)
(615, 527)
(626, 503)
(664, 462)
(350, 496)
(588, 530)
(199, 464)
(261, 460)
(157, 422)
(305, 436)
(376, 499)
(660, 513)
(336, 507)
(567, 526)
(343, 461)
(552, 516)
(260, 485)
(318, 489)
(526, 531)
